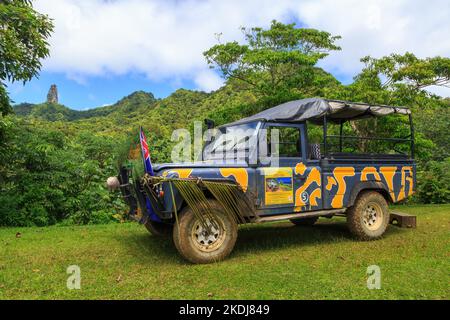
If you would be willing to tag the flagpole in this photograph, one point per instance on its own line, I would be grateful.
(149, 170)
(145, 153)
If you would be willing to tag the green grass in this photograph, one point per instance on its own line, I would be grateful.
(271, 261)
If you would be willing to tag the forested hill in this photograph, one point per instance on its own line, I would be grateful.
(138, 100)
(158, 116)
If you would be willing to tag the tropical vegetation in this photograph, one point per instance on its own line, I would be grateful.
(54, 160)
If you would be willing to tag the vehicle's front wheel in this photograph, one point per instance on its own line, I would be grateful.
(205, 243)
(369, 217)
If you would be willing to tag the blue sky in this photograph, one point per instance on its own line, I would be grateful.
(94, 91)
(102, 50)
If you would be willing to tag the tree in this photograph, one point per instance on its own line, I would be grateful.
(23, 43)
(410, 70)
(403, 78)
(273, 61)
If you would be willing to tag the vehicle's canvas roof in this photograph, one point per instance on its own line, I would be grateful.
(314, 109)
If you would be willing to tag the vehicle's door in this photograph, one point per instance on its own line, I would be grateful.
(286, 181)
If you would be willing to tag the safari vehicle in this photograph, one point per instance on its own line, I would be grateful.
(263, 179)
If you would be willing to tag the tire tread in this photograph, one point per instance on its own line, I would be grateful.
(354, 215)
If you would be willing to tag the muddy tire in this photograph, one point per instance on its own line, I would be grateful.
(309, 221)
(196, 244)
(158, 229)
(369, 217)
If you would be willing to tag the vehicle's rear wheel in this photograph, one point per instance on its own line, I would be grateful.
(158, 229)
(208, 243)
(308, 221)
(369, 217)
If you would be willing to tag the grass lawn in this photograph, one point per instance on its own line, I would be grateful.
(270, 261)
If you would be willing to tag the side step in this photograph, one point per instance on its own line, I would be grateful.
(402, 220)
(281, 217)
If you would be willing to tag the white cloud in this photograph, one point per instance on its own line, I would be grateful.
(380, 27)
(208, 80)
(165, 39)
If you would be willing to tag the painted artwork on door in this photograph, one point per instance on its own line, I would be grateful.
(278, 186)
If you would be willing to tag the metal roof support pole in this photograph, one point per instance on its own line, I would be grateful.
(340, 134)
(411, 124)
(325, 151)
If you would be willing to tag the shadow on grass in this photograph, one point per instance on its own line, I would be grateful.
(252, 239)
(285, 234)
(148, 249)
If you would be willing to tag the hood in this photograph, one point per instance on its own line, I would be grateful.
(200, 164)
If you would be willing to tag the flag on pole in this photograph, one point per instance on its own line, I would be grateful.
(148, 169)
(145, 153)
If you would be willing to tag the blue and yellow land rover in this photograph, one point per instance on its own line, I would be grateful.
(298, 161)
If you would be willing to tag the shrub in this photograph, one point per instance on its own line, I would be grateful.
(433, 182)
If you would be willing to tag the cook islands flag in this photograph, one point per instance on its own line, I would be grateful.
(148, 169)
(145, 153)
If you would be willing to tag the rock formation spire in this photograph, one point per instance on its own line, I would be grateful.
(52, 96)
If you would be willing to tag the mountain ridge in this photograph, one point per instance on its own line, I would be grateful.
(59, 112)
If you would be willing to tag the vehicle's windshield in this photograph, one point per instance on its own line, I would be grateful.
(231, 140)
